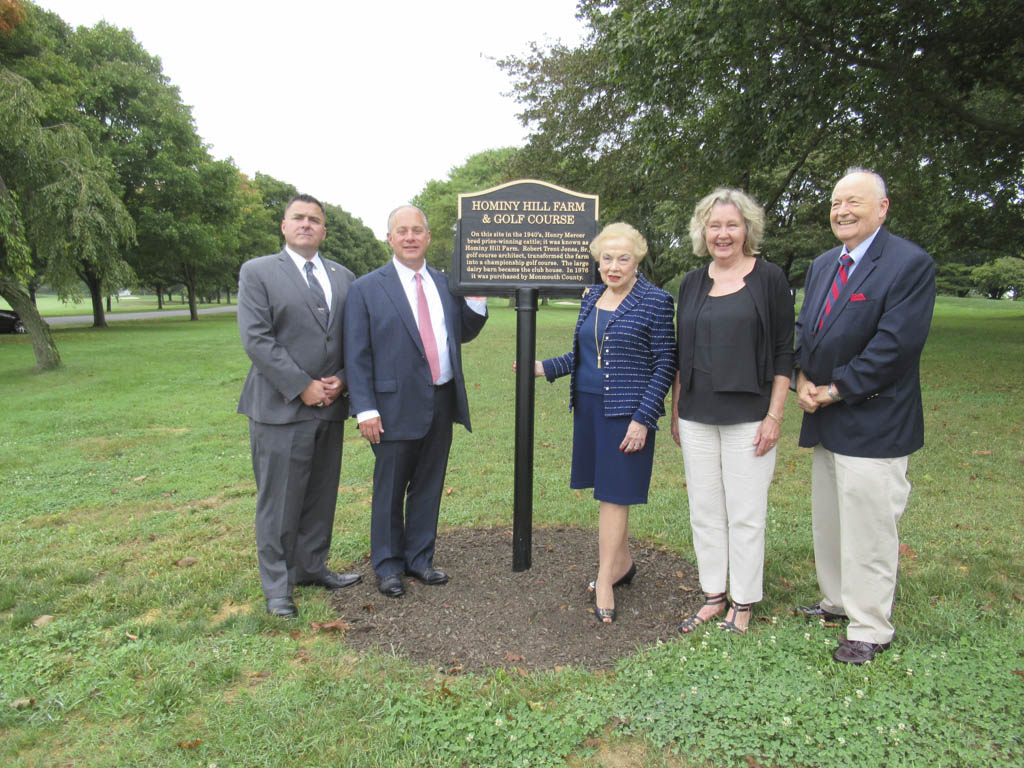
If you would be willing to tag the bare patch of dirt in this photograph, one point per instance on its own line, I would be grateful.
(488, 617)
(229, 609)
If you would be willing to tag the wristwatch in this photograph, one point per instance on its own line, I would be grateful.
(831, 391)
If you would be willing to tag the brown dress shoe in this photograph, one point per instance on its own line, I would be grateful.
(857, 651)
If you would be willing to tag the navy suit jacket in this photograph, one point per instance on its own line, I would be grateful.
(639, 353)
(386, 367)
(870, 347)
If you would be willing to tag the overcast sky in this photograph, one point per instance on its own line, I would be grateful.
(358, 103)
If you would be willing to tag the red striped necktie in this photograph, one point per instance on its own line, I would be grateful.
(837, 286)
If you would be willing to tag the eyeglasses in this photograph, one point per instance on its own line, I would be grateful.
(623, 259)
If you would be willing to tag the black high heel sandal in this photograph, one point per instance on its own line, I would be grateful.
(693, 621)
(603, 613)
(627, 578)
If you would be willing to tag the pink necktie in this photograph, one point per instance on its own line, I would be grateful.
(427, 331)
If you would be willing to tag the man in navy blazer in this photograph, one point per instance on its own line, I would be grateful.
(289, 317)
(404, 331)
(864, 321)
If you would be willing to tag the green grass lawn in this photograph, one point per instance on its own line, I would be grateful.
(50, 306)
(132, 629)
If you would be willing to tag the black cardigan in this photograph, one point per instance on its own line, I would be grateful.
(774, 303)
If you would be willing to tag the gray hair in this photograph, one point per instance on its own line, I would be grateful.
(879, 181)
(402, 208)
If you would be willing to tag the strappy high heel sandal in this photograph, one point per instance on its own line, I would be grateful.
(694, 620)
(627, 578)
(729, 625)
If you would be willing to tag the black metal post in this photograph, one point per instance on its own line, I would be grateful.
(526, 349)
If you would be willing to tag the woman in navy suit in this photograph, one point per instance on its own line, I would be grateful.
(735, 331)
(621, 366)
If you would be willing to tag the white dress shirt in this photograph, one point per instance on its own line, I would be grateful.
(857, 253)
(318, 269)
(407, 277)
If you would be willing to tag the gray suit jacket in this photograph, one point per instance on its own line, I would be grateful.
(287, 339)
(387, 367)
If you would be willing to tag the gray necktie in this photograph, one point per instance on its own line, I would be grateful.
(317, 290)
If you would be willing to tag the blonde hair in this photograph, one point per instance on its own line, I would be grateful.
(752, 213)
(638, 245)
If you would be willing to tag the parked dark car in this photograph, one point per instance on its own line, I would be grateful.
(10, 322)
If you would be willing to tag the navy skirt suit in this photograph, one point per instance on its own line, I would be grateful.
(637, 349)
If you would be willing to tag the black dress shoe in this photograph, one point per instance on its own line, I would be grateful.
(391, 586)
(332, 580)
(857, 651)
(282, 606)
(430, 577)
(817, 612)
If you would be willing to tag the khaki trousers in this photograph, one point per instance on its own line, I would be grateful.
(727, 486)
(855, 506)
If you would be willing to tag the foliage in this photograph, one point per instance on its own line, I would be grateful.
(666, 100)
(999, 277)
(11, 15)
(953, 279)
(132, 196)
(131, 462)
(439, 199)
(57, 203)
(351, 242)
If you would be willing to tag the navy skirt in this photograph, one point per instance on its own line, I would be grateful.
(597, 462)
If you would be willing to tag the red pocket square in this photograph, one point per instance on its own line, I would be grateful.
(857, 297)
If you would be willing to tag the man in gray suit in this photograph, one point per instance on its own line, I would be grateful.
(403, 355)
(290, 319)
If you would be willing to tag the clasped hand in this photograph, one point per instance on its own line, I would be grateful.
(322, 392)
(809, 396)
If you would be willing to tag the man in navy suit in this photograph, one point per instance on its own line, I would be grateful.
(289, 317)
(864, 321)
(403, 360)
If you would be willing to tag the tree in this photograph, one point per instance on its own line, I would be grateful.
(104, 83)
(56, 195)
(351, 242)
(666, 100)
(439, 199)
(953, 280)
(348, 240)
(999, 277)
(188, 227)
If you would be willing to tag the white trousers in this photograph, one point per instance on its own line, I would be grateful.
(727, 486)
(855, 506)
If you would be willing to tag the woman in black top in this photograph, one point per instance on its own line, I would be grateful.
(735, 343)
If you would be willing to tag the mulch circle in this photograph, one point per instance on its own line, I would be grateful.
(487, 617)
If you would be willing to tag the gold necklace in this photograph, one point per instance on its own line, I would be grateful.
(598, 345)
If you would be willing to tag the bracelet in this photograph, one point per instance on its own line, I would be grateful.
(777, 419)
(831, 392)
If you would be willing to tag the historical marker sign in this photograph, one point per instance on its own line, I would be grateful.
(523, 234)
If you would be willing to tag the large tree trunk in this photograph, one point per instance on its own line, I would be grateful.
(159, 297)
(95, 285)
(47, 356)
